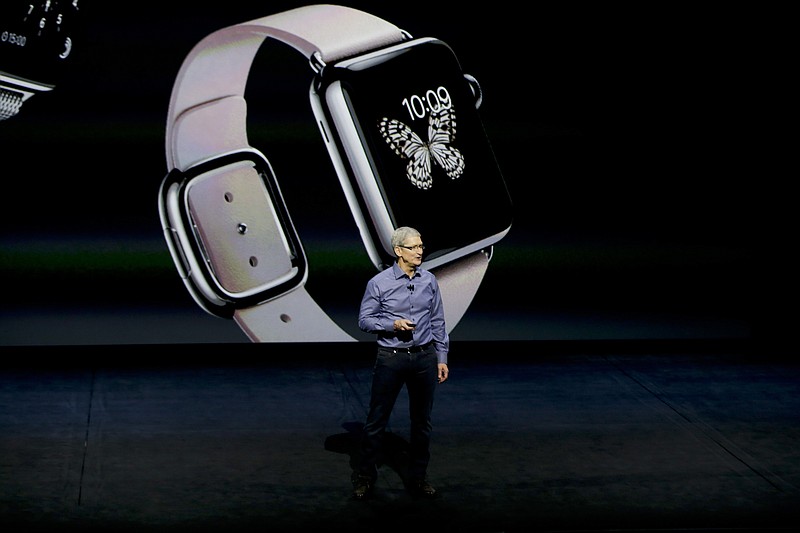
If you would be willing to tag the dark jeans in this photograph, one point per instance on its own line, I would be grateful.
(419, 372)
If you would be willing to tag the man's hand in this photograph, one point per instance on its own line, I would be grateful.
(404, 324)
(444, 372)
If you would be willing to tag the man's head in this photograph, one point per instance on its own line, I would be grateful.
(407, 245)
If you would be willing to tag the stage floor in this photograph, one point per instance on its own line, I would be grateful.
(527, 437)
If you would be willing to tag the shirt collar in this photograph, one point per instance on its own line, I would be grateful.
(398, 272)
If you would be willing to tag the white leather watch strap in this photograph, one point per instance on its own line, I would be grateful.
(218, 66)
(207, 118)
(459, 282)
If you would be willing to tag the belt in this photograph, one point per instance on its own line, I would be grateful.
(411, 349)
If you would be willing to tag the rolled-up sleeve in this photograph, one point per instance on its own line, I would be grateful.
(370, 316)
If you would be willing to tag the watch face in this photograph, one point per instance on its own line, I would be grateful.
(426, 161)
(36, 40)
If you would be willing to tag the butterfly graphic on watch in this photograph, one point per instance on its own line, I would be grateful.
(420, 154)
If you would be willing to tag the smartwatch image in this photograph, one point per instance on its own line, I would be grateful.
(399, 120)
(36, 41)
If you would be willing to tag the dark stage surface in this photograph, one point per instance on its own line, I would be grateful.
(528, 436)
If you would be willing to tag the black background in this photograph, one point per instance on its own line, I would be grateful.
(623, 135)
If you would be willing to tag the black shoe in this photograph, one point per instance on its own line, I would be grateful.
(422, 489)
(362, 486)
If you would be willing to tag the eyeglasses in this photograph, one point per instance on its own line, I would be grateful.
(415, 248)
